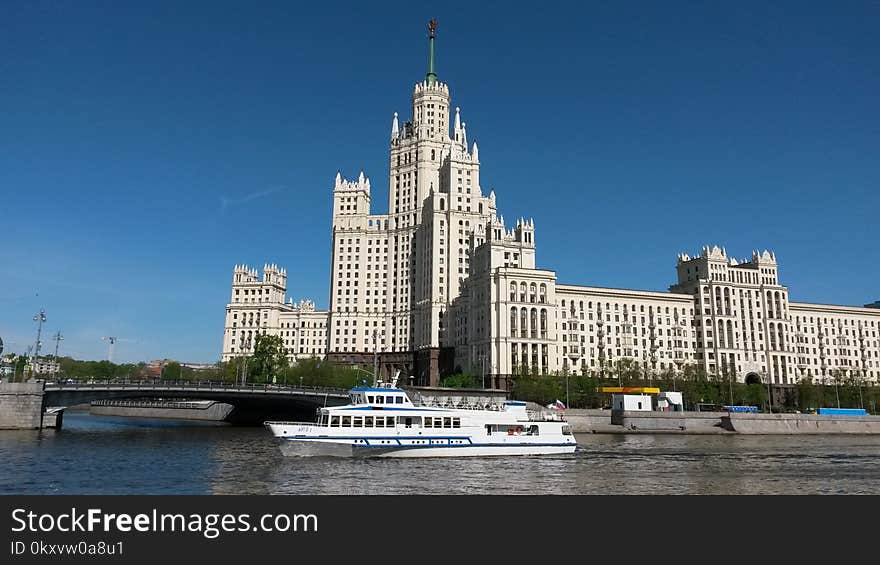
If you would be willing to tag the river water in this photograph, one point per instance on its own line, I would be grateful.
(109, 455)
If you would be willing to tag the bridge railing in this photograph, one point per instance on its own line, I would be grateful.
(156, 384)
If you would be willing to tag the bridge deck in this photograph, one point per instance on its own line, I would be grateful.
(197, 387)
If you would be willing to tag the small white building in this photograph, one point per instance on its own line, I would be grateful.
(631, 402)
(670, 402)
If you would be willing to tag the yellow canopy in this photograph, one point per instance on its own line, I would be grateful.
(631, 389)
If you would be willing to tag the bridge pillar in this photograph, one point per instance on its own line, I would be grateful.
(21, 406)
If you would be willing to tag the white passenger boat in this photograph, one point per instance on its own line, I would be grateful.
(382, 421)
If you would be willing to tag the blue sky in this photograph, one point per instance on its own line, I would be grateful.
(147, 147)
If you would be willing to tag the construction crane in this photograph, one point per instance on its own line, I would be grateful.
(112, 341)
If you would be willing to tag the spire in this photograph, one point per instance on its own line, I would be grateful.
(475, 153)
(431, 77)
(457, 124)
(395, 130)
(464, 135)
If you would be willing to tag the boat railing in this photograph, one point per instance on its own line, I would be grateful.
(442, 402)
(171, 404)
(288, 423)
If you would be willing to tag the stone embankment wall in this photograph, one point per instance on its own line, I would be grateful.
(21, 406)
(589, 421)
(609, 422)
(669, 422)
(216, 412)
(800, 424)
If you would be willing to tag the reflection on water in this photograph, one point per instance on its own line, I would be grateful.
(111, 455)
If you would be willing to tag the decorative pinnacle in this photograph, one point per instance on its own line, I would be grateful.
(431, 77)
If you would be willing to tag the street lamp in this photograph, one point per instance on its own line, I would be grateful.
(836, 392)
(39, 317)
(246, 346)
(27, 363)
(567, 403)
(375, 357)
(769, 393)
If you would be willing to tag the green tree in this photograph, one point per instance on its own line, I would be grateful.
(461, 380)
(171, 371)
(269, 358)
(538, 388)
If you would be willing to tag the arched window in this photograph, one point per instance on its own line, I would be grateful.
(513, 292)
(513, 321)
(442, 203)
(522, 292)
(533, 292)
(542, 296)
(524, 323)
(543, 323)
(534, 323)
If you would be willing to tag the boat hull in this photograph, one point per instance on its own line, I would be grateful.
(299, 447)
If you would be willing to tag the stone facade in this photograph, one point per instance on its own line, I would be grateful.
(257, 306)
(724, 315)
(440, 282)
(21, 406)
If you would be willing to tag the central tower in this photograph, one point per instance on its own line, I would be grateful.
(419, 248)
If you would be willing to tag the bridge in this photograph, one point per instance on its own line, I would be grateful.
(254, 403)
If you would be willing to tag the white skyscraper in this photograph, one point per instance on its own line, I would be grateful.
(439, 283)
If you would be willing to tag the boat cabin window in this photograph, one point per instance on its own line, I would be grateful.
(566, 430)
(389, 421)
(407, 421)
(358, 421)
(370, 399)
(398, 400)
(442, 422)
(380, 400)
(346, 421)
(380, 421)
(368, 421)
(334, 421)
(512, 429)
